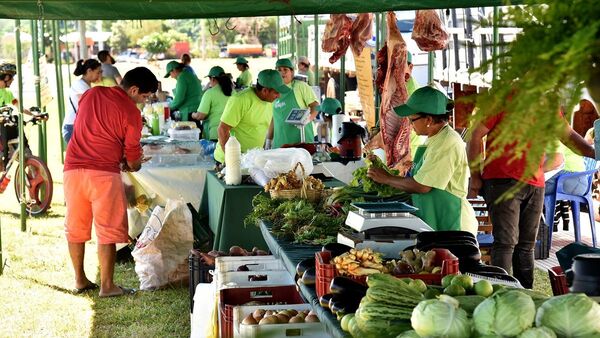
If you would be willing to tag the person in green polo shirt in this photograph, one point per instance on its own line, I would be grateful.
(188, 90)
(301, 96)
(248, 113)
(245, 78)
(440, 174)
(213, 102)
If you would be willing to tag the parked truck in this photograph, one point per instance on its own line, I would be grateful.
(252, 50)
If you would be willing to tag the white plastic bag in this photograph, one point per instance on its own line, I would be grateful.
(276, 161)
(163, 247)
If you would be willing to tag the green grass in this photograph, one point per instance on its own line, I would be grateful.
(36, 298)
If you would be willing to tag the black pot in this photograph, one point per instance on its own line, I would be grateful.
(586, 271)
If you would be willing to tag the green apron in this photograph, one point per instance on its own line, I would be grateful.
(285, 133)
(438, 208)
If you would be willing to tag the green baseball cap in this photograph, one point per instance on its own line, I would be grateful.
(241, 60)
(408, 57)
(426, 100)
(270, 78)
(284, 63)
(215, 71)
(170, 66)
(330, 106)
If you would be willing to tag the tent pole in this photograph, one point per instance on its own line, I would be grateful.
(36, 72)
(20, 126)
(68, 51)
(59, 86)
(292, 37)
(316, 31)
(430, 64)
(44, 151)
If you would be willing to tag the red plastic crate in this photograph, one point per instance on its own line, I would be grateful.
(230, 298)
(326, 271)
(558, 281)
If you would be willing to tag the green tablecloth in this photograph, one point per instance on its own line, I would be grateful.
(291, 254)
(228, 205)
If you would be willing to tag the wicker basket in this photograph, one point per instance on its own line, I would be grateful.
(308, 194)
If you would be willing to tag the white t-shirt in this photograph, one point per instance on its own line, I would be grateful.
(77, 89)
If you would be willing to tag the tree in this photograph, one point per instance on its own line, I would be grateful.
(157, 42)
(119, 39)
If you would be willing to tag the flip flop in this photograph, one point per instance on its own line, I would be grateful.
(91, 286)
(124, 292)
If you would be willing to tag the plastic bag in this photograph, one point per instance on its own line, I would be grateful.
(162, 249)
(277, 161)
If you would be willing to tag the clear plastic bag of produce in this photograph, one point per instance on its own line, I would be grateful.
(277, 161)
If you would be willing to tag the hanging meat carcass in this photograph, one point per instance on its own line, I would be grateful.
(381, 68)
(428, 31)
(337, 35)
(395, 130)
(362, 31)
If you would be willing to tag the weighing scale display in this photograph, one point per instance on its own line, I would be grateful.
(298, 116)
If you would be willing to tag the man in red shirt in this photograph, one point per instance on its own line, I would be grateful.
(105, 141)
(515, 220)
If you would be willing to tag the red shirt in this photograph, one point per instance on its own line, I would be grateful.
(505, 166)
(107, 128)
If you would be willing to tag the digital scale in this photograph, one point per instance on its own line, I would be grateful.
(300, 118)
(386, 227)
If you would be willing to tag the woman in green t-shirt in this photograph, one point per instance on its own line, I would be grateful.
(245, 78)
(213, 102)
(301, 96)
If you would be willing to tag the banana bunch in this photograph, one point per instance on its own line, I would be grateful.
(360, 262)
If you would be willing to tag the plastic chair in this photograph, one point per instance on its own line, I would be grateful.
(575, 201)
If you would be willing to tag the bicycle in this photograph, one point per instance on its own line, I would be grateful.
(38, 179)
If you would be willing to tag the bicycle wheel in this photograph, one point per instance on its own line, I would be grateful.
(38, 185)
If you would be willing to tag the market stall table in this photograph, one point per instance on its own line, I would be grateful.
(291, 254)
(228, 205)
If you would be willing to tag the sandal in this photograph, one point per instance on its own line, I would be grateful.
(90, 286)
(124, 292)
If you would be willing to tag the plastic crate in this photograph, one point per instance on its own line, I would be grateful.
(199, 273)
(326, 271)
(253, 263)
(269, 295)
(185, 135)
(558, 281)
(248, 279)
(302, 330)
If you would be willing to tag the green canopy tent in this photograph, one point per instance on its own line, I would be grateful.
(184, 9)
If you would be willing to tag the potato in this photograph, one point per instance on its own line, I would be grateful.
(249, 320)
(268, 320)
(296, 319)
(292, 312)
(282, 318)
(269, 313)
(237, 251)
(258, 314)
(311, 319)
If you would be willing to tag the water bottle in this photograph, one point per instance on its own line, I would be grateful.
(155, 124)
(233, 161)
(4, 183)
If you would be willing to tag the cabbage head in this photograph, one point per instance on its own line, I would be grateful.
(409, 334)
(435, 318)
(504, 314)
(571, 315)
(538, 332)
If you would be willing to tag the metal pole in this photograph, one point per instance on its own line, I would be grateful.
(343, 82)
(277, 37)
(292, 37)
(430, 64)
(59, 87)
(316, 72)
(20, 126)
(44, 149)
(36, 72)
(495, 43)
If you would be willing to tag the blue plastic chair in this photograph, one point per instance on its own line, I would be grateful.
(575, 201)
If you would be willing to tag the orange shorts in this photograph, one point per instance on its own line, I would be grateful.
(98, 196)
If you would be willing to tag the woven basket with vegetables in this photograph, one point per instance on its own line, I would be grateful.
(290, 186)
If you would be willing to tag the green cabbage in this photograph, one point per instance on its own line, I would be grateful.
(570, 315)
(435, 318)
(504, 314)
(409, 334)
(538, 332)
